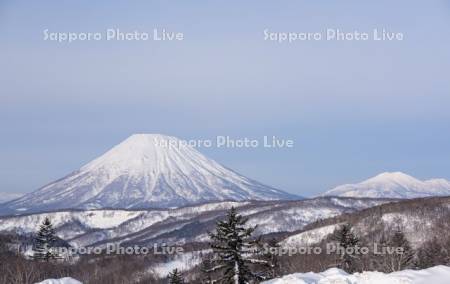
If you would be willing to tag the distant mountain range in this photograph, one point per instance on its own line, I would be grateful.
(393, 185)
(145, 171)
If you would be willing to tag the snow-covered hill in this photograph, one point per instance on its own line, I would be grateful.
(181, 225)
(420, 219)
(393, 185)
(437, 275)
(146, 171)
(71, 224)
(271, 217)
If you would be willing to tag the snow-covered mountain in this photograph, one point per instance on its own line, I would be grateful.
(8, 196)
(146, 170)
(393, 185)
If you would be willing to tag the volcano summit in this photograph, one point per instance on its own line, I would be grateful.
(141, 173)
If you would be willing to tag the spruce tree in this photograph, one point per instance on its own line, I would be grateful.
(233, 248)
(269, 254)
(347, 241)
(44, 242)
(206, 269)
(175, 277)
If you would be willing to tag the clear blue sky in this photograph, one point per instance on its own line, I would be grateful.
(354, 109)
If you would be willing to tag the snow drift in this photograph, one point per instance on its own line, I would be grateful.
(434, 275)
(65, 280)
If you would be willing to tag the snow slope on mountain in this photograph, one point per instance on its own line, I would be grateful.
(74, 222)
(292, 218)
(309, 238)
(182, 262)
(393, 185)
(7, 196)
(146, 170)
(437, 275)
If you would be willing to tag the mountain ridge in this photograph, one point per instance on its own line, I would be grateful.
(393, 185)
(100, 226)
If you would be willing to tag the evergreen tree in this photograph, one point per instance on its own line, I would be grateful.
(347, 241)
(402, 260)
(270, 256)
(232, 247)
(206, 271)
(175, 277)
(44, 242)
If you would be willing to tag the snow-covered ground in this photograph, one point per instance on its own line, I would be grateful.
(65, 280)
(434, 275)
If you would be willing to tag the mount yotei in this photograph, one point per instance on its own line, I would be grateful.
(140, 173)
